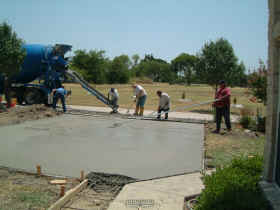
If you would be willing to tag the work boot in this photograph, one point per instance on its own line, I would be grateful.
(136, 111)
(216, 131)
(141, 111)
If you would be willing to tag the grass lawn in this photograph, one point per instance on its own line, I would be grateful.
(222, 148)
(195, 94)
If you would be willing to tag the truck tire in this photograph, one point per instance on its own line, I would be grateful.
(20, 96)
(33, 96)
(20, 99)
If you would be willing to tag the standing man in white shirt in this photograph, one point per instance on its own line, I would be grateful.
(141, 96)
(164, 104)
(113, 96)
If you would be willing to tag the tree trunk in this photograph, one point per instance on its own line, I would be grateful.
(7, 91)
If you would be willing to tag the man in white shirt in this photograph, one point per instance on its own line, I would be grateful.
(141, 96)
(113, 96)
(164, 104)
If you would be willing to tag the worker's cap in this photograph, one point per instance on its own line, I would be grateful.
(112, 89)
(159, 92)
(222, 82)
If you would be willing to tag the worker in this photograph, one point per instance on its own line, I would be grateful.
(60, 93)
(140, 99)
(164, 104)
(2, 106)
(222, 106)
(113, 96)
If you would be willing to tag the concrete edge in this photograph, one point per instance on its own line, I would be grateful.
(203, 162)
(68, 195)
(163, 177)
(172, 119)
(23, 171)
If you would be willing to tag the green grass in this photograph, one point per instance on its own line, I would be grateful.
(34, 199)
(221, 149)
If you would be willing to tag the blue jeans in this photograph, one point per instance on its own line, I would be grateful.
(56, 97)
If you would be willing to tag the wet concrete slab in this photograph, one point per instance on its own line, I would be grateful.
(137, 148)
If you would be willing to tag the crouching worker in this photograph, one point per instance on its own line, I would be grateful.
(113, 96)
(164, 104)
(60, 93)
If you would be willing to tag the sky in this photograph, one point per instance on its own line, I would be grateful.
(164, 28)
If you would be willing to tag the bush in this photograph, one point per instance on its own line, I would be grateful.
(258, 82)
(245, 121)
(234, 187)
(261, 124)
(141, 80)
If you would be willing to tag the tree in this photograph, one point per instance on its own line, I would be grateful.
(154, 68)
(92, 65)
(217, 61)
(240, 78)
(135, 59)
(11, 57)
(257, 82)
(184, 67)
(119, 70)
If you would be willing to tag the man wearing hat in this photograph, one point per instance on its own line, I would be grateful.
(222, 106)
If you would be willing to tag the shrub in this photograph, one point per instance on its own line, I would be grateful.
(245, 121)
(253, 125)
(261, 124)
(184, 95)
(258, 82)
(234, 187)
(141, 80)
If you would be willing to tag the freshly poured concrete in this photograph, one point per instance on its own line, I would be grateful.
(137, 148)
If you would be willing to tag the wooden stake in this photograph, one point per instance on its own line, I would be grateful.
(62, 190)
(82, 176)
(38, 170)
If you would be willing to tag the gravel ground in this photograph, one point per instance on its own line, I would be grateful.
(101, 191)
(20, 114)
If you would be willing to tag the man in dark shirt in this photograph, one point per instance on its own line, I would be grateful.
(222, 106)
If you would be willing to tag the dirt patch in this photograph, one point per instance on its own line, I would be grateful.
(101, 191)
(20, 190)
(20, 114)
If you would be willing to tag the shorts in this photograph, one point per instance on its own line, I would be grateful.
(141, 101)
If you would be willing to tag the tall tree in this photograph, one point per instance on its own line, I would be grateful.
(119, 70)
(217, 61)
(92, 65)
(155, 68)
(11, 57)
(184, 66)
(135, 59)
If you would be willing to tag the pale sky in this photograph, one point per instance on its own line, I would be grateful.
(164, 28)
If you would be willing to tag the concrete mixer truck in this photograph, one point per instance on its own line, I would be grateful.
(49, 67)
